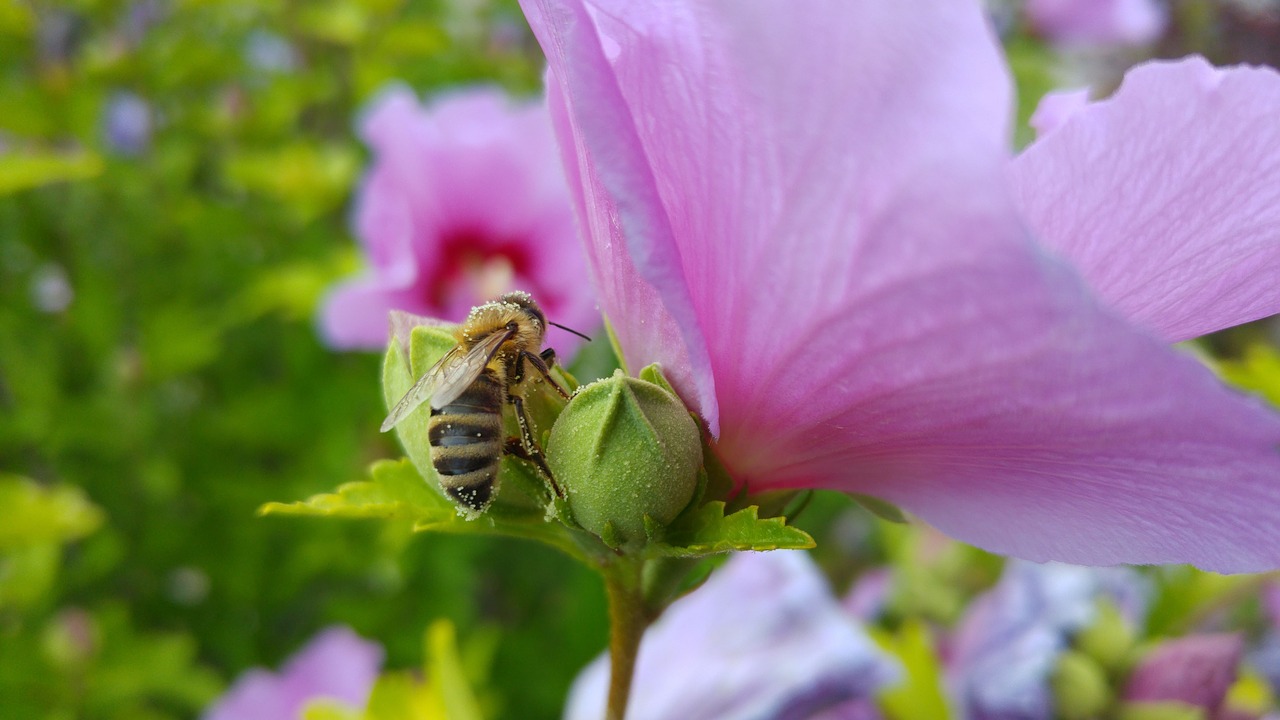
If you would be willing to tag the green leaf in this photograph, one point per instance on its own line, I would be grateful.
(445, 693)
(308, 178)
(397, 492)
(402, 695)
(326, 709)
(32, 514)
(707, 531)
(22, 172)
(919, 694)
(132, 665)
(27, 574)
(1258, 371)
(447, 675)
(16, 19)
(1184, 595)
(342, 23)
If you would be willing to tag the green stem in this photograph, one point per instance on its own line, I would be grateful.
(628, 619)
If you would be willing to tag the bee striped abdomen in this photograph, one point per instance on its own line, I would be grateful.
(466, 443)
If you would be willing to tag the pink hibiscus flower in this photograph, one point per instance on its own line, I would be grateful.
(465, 200)
(1196, 670)
(1098, 22)
(811, 217)
(336, 665)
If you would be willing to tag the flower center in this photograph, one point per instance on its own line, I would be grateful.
(475, 270)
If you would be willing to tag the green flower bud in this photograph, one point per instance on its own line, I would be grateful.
(1079, 687)
(1109, 639)
(624, 449)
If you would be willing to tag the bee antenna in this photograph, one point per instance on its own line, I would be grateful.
(569, 329)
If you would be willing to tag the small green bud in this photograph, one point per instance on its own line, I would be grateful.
(624, 449)
(1109, 639)
(1079, 687)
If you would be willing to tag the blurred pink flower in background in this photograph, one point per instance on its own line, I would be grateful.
(813, 220)
(1098, 22)
(1196, 670)
(791, 652)
(465, 200)
(336, 665)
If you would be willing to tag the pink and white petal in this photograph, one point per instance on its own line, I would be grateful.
(1056, 108)
(1098, 21)
(863, 290)
(402, 136)
(1038, 429)
(1196, 670)
(255, 695)
(337, 664)
(382, 220)
(631, 253)
(718, 166)
(354, 314)
(1167, 196)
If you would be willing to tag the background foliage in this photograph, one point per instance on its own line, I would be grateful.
(161, 377)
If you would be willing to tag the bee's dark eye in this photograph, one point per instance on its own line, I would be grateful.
(513, 326)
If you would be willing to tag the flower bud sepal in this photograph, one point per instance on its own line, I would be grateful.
(628, 456)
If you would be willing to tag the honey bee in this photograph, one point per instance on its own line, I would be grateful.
(497, 355)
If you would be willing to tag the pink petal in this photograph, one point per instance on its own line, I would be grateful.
(336, 664)
(631, 252)
(710, 152)
(1167, 196)
(1063, 438)
(862, 290)
(1056, 108)
(1197, 670)
(254, 696)
(1098, 21)
(354, 314)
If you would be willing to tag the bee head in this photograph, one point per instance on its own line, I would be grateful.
(525, 302)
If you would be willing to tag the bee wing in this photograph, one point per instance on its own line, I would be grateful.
(422, 390)
(447, 379)
(459, 375)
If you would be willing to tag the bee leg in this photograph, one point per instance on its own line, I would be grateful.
(528, 449)
(539, 363)
(515, 448)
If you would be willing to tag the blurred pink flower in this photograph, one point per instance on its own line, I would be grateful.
(1098, 22)
(1196, 670)
(337, 665)
(792, 652)
(812, 219)
(464, 200)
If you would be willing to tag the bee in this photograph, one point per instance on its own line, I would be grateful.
(497, 355)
